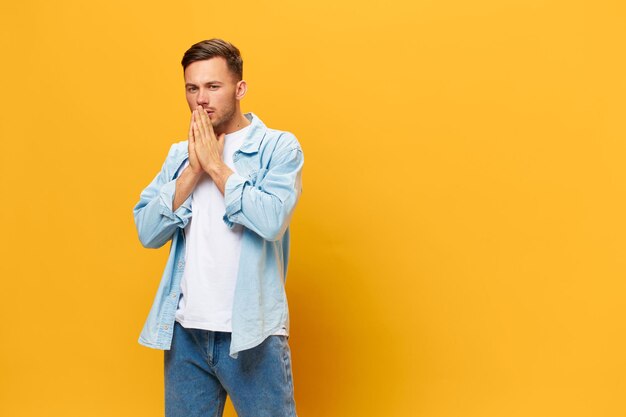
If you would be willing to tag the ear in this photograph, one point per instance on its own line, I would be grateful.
(241, 89)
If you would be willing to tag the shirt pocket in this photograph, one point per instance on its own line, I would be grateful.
(247, 165)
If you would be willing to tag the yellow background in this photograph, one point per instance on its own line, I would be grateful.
(458, 249)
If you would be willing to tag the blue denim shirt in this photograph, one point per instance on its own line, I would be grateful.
(261, 195)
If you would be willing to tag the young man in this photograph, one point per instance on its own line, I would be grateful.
(224, 197)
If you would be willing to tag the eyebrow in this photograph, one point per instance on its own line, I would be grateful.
(207, 83)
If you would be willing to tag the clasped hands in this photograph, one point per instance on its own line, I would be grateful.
(205, 149)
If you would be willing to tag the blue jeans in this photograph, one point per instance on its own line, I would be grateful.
(199, 374)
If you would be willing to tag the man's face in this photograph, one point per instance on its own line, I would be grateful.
(210, 84)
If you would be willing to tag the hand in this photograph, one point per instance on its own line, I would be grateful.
(208, 148)
(194, 164)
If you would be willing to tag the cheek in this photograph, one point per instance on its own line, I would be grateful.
(226, 95)
(218, 101)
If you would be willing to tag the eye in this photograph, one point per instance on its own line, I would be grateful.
(214, 87)
(191, 89)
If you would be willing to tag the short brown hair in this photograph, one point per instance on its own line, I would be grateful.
(212, 48)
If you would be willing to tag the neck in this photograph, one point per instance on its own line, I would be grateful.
(236, 123)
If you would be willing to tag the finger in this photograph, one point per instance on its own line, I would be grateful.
(201, 123)
(197, 135)
(207, 128)
(190, 134)
(220, 143)
(197, 127)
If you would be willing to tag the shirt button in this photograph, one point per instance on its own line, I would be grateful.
(165, 327)
(180, 265)
(173, 295)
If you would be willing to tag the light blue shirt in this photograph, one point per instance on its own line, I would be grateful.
(261, 195)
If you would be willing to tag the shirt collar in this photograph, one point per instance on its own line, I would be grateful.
(252, 142)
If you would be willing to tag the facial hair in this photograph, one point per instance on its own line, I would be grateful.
(223, 122)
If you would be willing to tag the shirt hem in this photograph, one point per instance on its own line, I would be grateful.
(204, 326)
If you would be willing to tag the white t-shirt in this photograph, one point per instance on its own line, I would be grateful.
(211, 254)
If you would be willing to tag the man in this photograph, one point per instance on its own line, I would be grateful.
(224, 197)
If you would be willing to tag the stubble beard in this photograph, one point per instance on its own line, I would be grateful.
(222, 123)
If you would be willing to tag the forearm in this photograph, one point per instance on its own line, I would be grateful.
(154, 218)
(185, 184)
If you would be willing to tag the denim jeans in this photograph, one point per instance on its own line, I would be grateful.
(199, 374)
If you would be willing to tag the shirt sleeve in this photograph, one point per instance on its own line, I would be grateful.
(155, 220)
(266, 208)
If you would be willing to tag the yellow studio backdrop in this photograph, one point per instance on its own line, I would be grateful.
(458, 249)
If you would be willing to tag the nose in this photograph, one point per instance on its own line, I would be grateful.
(202, 97)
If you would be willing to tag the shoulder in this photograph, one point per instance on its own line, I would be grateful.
(280, 141)
(178, 148)
(175, 155)
(177, 152)
(280, 147)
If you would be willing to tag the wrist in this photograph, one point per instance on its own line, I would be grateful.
(219, 174)
(214, 170)
(193, 174)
